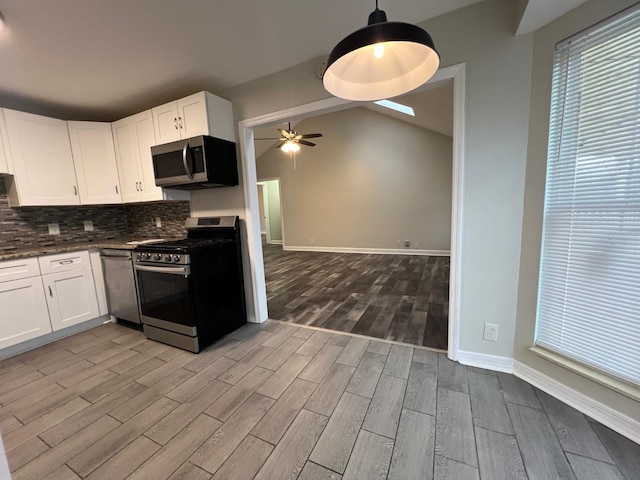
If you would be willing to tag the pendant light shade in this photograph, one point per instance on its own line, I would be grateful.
(382, 60)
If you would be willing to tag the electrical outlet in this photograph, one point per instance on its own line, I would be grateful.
(158, 222)
(491, 332)
(88, 226)
(407, 243)
(54, 229)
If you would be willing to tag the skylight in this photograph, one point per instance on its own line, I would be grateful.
(398, 107)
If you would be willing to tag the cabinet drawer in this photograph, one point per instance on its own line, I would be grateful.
(19, 269)
(63, 262)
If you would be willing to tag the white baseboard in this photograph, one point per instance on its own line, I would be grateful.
(374, 251)
(52, 337)
(489, 362)
(613, 419)
(275, 242)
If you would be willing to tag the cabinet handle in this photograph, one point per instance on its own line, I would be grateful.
(137, 186)
(175, 122)
(75, 190)
(65, 262)
(50, 292)
(180, 122)
(141, 186)
(117, 189)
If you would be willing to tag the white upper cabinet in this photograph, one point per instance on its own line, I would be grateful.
(43, 168)
(199, 114)
(95, 162)
(133, 137)
(4, 162)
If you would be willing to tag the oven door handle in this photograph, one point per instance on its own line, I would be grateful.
(185, 150)
(174, 270)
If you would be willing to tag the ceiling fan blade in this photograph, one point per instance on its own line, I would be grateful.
(281, 143)
(304, 142)
(310, 135)
(272, 138)
(286, 133)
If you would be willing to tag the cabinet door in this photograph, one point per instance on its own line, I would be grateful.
(95, 161)
(23, 311)
(127, 157)
(165, 123)
(4, 163)
(192, 116)
(42, 160)
(146, 139)
(71, 297)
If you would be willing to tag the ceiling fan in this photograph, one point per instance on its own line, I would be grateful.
(290, 140)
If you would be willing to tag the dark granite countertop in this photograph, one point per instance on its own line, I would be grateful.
(120, 243)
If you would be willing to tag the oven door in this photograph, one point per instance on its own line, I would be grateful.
(179, 163)
(165, 299)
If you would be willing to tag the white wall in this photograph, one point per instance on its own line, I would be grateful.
(497, 112)
(544, 44)
(370, 181)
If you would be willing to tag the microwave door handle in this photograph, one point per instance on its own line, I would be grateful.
(185, 150)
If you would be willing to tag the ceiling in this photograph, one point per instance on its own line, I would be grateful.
(102, 60)
(433, 108)
(105, 59)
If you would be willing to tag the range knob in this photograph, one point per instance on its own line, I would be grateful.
(176, 258)
(158, 256)
(139, 256)
(167, 258)
(147, 255)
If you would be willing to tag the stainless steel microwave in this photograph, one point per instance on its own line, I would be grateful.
(194, 163)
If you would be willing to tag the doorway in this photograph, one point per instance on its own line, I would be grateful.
(252, 205)
(270, 207)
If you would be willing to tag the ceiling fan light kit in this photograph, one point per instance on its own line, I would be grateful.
(382, 60)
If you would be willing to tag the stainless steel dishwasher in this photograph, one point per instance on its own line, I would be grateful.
(120, 283)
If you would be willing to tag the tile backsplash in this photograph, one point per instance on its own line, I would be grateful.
(141, 218)
(27, 227)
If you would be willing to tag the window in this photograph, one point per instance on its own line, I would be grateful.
(589, 290)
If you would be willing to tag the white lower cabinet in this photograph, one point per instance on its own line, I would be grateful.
(70, 290)
(23, 306)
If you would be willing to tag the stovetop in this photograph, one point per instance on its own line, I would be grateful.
(184, 245)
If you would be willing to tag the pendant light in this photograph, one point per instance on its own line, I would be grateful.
(382, 60)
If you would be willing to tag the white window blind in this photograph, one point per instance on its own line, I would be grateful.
(589, 288)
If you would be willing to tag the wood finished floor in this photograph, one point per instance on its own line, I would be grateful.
(404, 298)
(279, 401)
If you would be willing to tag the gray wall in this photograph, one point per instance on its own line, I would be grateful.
(497, 113)
(370, 181)
(544, 42)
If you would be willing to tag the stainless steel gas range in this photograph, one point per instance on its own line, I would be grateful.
(191, 291)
